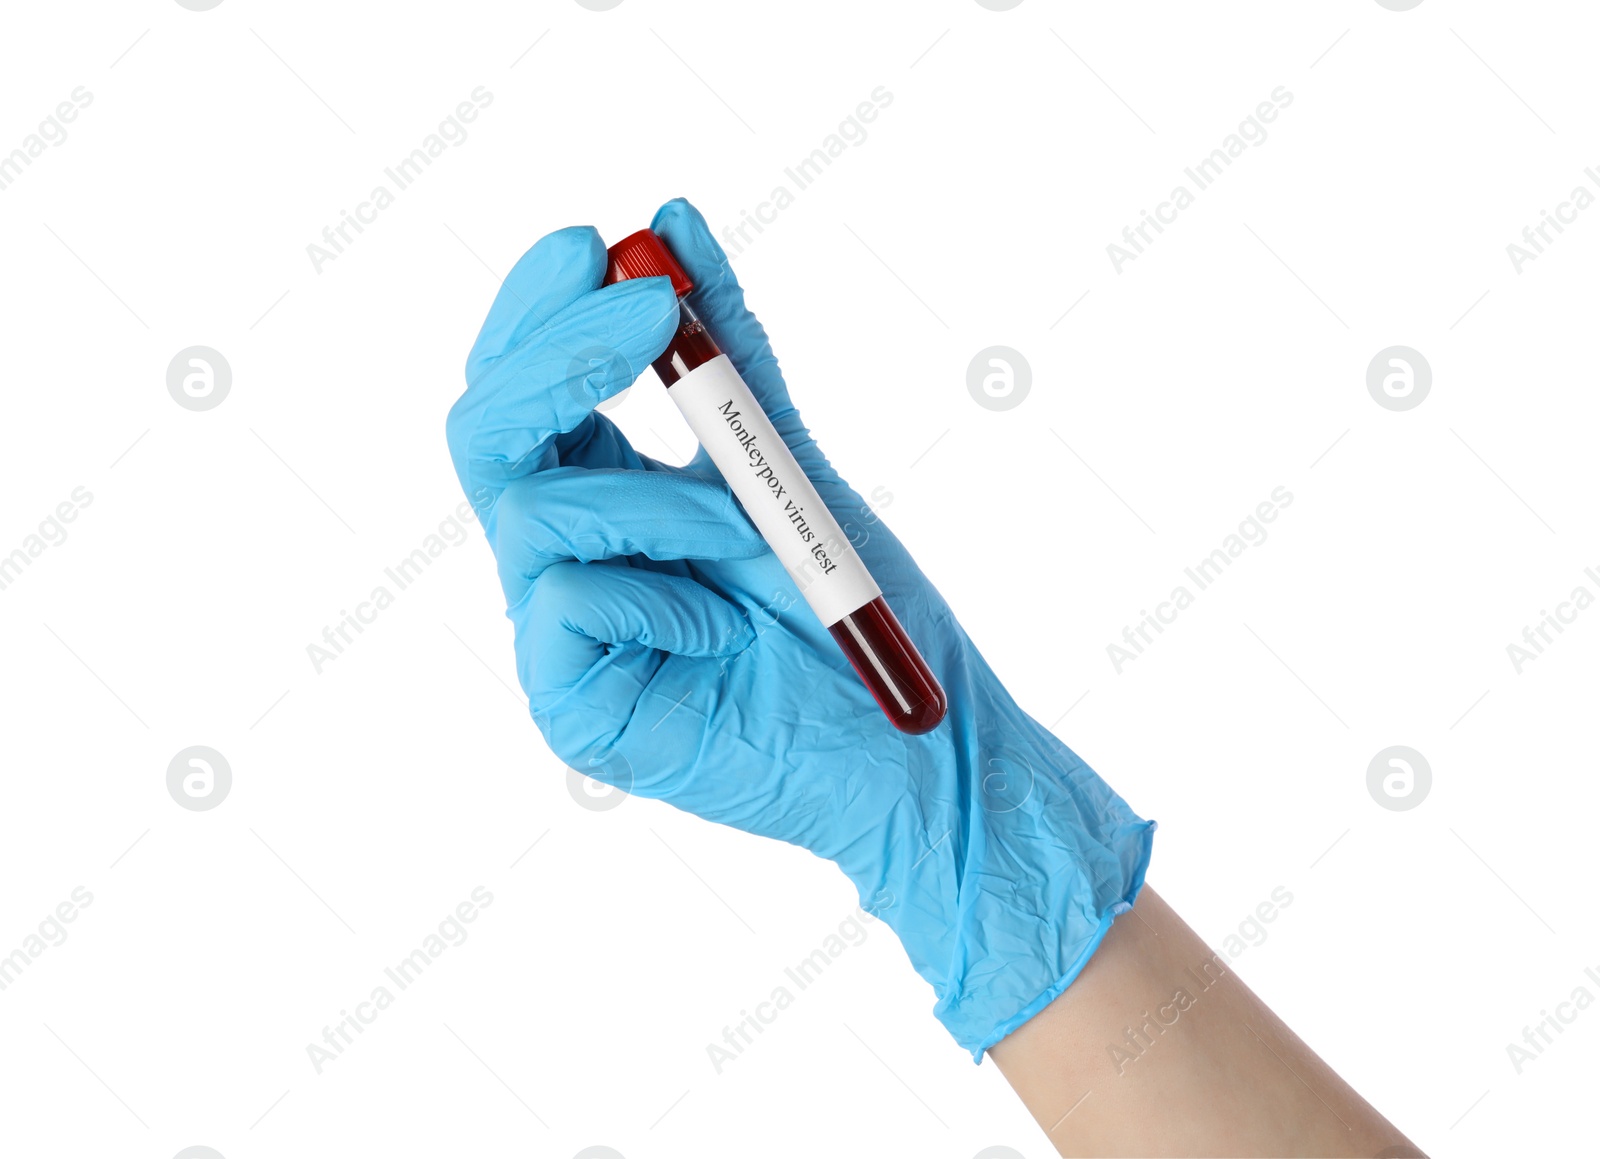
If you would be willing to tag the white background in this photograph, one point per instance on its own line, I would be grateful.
(1228, 360)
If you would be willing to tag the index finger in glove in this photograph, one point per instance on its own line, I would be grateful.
(506, 424)
(719, 301)
(556, 271)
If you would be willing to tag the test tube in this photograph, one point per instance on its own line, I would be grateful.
(782, 502)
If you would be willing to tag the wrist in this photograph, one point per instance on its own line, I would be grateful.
(1002, 904)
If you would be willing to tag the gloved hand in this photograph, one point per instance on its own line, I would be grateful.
(663, 649)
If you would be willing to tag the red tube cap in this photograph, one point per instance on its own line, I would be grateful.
(644, 255)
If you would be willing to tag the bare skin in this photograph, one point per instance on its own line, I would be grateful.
(1208, 1071)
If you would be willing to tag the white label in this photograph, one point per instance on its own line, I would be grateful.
(776, 494)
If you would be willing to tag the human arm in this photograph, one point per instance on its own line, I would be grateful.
(1159, 1048)
(663, 649)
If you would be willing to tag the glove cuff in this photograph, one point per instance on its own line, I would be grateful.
(974, 1009)
(1002, 913)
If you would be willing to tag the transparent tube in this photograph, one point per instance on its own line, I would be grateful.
(871, 637)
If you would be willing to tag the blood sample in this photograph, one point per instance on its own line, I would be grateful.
(781, 501)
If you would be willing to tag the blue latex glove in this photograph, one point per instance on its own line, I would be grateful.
(663, 648)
